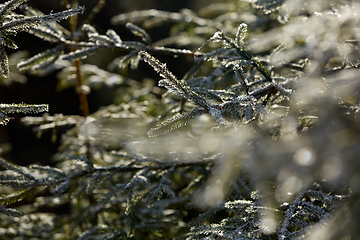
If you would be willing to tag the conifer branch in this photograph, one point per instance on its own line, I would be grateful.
(26, 22)
(137, 31)
(160, 16)
(239, 50)
(17, 108)
(62, 181)
(171, 82)
(29, 24)
(9, 6)
(15, 197)
(175, 122)
(38, 60)
(23, 108)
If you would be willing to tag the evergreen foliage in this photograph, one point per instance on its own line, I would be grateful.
(258, 139)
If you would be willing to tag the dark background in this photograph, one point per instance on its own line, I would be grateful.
(19, 143)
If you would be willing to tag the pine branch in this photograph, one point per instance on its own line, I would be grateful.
(137, 31)
(80, 53)
(174, 122)
(40, 59)
(9, 6)
(114, 36)
(15, 197)
(29, 24)
(229, 43)
(240, 34)
(46, 33)
(23, 108)
(26, 22)
(155, 16)
(62, 181)
(171, 82)
(16, 108)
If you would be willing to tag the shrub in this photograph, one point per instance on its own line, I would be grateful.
(257, 140)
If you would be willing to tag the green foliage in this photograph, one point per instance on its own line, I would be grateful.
(257, 140)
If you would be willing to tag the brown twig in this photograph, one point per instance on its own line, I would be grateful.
(84, 105)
